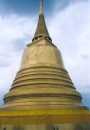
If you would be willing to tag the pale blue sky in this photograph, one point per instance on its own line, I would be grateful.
(29, 7)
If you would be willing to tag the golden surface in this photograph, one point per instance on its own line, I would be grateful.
(42, 53)
(44, 116)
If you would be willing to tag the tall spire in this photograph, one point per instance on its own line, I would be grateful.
(41, 6)
(41, 30)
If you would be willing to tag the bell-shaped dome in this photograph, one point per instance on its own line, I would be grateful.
(42, 53)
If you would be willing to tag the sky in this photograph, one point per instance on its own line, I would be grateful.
(68, 22)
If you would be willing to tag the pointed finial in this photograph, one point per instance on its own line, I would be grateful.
(41, 30)
(41, 6)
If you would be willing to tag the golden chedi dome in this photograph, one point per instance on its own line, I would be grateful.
(43, 81)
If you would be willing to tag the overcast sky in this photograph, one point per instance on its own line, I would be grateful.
(68, 22)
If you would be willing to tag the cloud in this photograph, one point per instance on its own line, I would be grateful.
(69, 30)
(15, 33)
(71, 33)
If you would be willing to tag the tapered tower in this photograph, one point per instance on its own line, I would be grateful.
(42, 81)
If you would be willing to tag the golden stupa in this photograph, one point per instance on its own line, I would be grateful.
(42, 81)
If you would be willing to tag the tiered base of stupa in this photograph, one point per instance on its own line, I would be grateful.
(43, 88)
